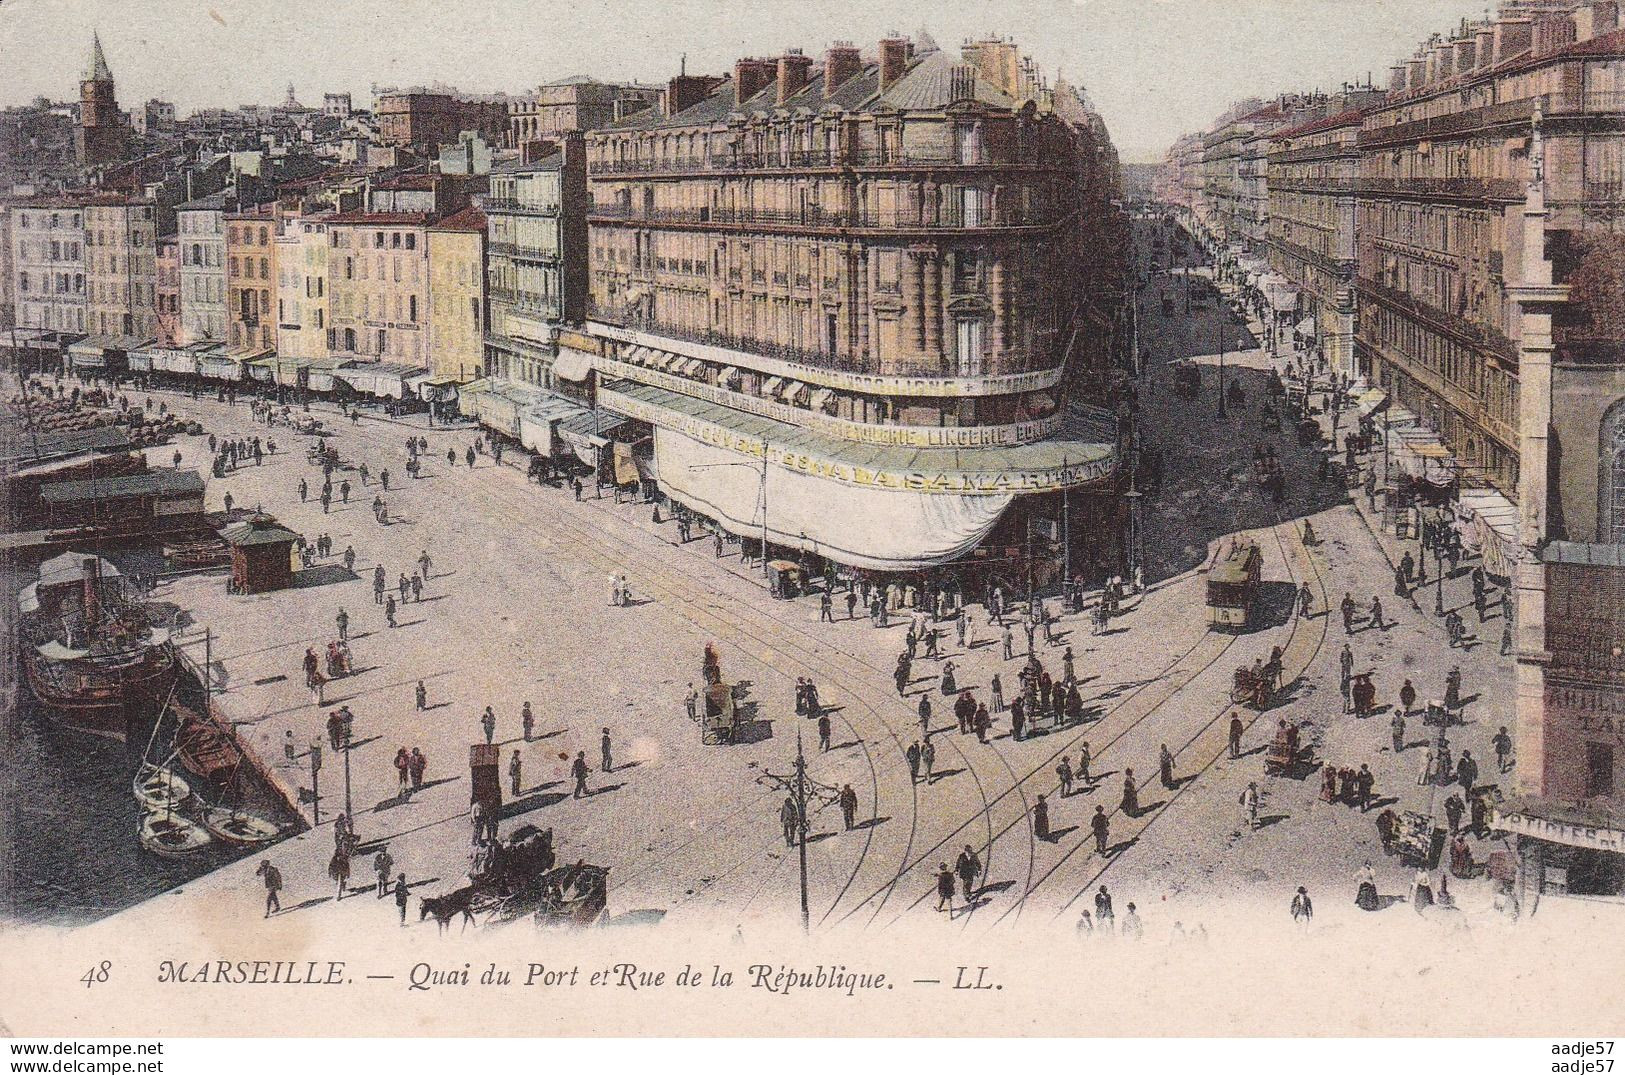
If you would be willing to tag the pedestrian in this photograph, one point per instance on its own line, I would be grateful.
(1364, 784)
(1009, 644)
(1396, 728)
(1236, 730)
(514, 768)
(389, 609)
(851, 602)
(826, 605)
(945, 888)
(1304, 600)
(1101, 826)
(422, 696)
(1018, 717)
(1302, 909)
(1130, 804)
(1249, 805)
(1347, 607)
(1131, 925)
(527, 720)
(1041, 819)
(273, 886)
(1103, 909)
(378, 585)
(401, 894)
(605, 756)
(849, 805)
(579, 770)
(928, 759)
(1503, 749)
(344, 491)
(913, 756)
(823, 731)
(304, 491)
(1064, 772)
(1165, 763)
(1454, 808)
(349, 558)
(1081, 772)
(419, 766)
(691, 702)
(1425, 771)
(996, 688)
(383, 862)
(417, 589)
(969, 867)
(1376, 615)
(338, 868)
(1467, 773)
(488, 722)
(403, 772)
(925, 717)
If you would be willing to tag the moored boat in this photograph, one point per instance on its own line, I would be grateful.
(169, 835)
(240, 829)
(158, 788)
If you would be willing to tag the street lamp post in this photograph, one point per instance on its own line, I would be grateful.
(1222, 412)
(1438, 567)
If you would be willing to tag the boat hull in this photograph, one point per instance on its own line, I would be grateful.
(109, 702)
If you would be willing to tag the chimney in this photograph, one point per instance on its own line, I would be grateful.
(1466, 58)
(750, 76)
(1484, 53)
(1417, 75)
(794, 72)
(1553, 33)
(1396, 78)
(894, 52)
(1512, 37)
(686, 91)
(841, 62)
(1604, 16)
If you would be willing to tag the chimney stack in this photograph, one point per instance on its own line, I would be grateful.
(750, 75)
(894, 52)
(795, 71)
(1512, 37)
(841, 62)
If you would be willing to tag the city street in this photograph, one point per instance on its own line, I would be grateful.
(517, 609)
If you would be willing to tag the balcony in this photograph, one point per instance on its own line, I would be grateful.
(799, 160)
(951, 218)
(1463, 187)
(1441, 321)
(524, 253)
(514, 205)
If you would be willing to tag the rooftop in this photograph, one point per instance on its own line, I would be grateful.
(147, 483)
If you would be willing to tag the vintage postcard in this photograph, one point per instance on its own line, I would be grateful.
(809, 518)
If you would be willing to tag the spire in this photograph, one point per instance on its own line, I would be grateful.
(97, 70)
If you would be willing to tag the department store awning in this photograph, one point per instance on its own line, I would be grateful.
(572, 365)
(1083, 451)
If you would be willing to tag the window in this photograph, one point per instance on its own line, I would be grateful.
(263, 240)
(265, 268)
(232, 265)
(411, 241)
(474, 311)
(380, 341)
(412, 308)
(1599, 770)
(968, 339)
(395, 240)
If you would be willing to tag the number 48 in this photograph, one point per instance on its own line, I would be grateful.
(97, 974)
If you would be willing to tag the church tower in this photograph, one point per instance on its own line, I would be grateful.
(102, 134)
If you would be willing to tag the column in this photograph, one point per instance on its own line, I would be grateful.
(915, 298)
(997, 285)
(934, 299)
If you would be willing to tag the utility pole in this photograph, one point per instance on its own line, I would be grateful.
(801, 824)
(315, 783)
(349, 808)
(208, 662)
(767, 573)
(1066, 527)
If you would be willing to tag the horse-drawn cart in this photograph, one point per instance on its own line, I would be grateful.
(1250, 686)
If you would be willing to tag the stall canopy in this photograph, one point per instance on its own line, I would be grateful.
(1306, 328)
(588, 432)
(429, 386)
(538, 419)
(220, 365)
(385, 380)
(263, 368)
(572, 365)
(1371, 400)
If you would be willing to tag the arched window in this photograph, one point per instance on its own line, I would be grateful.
(1611, 477)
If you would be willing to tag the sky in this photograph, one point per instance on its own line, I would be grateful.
(1154, 68)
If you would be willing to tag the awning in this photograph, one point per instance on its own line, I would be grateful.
(588, 432)
(1306, 327)
(385, 380)
(881, 529)
(728, 376)
(538, 419)
(820, 397)
(222, 366)
(263, 369)
(792, 389)
(572, 365)
(1490, 526)
(1370, 400)
(140, 361)
(771, 388)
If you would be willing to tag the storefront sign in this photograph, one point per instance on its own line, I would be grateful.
(1559, 832)
(1593, 710)
(1049, 479)
(841, 428)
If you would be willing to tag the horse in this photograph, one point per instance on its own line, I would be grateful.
(445, 908)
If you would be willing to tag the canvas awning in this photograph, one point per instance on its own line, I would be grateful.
(1489, 525)
(1370, 400)
(771, 388)
(221, 366)
(262, 369)
(174, 360)
(792, 389)
(538, 419)
(572, 365)
(1306, 328)
(820, 397)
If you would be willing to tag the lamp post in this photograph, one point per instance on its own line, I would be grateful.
(1222, 412)
(1438, 566)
